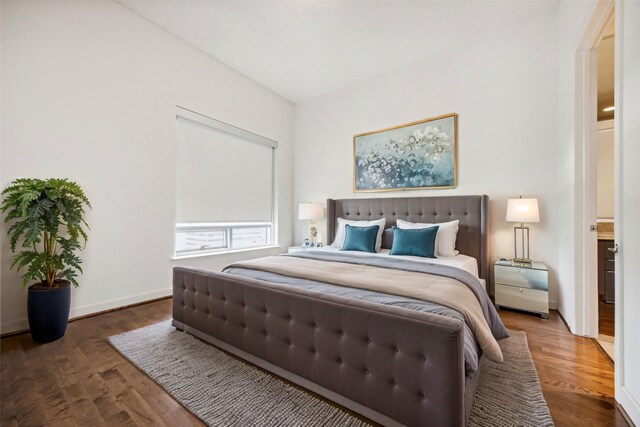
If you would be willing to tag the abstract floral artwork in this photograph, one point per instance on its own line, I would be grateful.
(416, 155)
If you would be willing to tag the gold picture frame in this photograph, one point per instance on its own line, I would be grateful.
(420, 155)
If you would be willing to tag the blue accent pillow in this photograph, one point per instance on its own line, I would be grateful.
(361, 239)
(416, 242)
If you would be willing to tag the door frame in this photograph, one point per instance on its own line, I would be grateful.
(585, 107)
(585, 151)
(623, 395)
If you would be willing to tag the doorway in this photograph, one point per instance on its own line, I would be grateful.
(605, 190)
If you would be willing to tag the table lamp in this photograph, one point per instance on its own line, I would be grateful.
(311, 212)
(522, 211)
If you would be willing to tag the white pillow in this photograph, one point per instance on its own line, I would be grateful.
(341, 230)
(445, 239)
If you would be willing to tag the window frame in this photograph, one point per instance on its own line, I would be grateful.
(219, 126)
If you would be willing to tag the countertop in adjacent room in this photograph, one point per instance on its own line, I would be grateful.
(605, 230)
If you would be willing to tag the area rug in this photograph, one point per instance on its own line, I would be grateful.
(224, 391)
(509, 393)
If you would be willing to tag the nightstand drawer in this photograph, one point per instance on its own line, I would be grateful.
(521, 277)
(522, 298)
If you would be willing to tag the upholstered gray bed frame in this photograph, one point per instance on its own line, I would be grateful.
(392, 365)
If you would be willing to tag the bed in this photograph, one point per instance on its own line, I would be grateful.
(393, 359)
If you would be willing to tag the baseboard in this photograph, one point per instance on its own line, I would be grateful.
(22, 325)
(625, 415)
(118, 302)
(14, 327)
(564, 321)
(628, 406)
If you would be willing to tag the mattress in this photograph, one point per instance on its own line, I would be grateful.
(463, 262)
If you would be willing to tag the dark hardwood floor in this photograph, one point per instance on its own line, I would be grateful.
(606, 318)
(576, 378)
(81, 380)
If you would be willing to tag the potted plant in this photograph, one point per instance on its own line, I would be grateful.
(45, 232)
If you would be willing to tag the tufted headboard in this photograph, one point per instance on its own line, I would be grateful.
(471, 211)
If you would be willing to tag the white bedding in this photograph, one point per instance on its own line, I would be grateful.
(464, 262)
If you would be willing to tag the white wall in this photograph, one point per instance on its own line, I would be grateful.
(604, 171)
(88, 93)
(504, 89)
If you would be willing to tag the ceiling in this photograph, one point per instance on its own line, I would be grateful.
(304, 49)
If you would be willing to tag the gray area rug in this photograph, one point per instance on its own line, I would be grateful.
(509, 393)
(223, 391)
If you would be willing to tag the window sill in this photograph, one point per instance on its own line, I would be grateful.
(231, 251)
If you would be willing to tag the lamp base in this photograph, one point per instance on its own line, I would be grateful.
(313, 232)
(525, 262)
(523, 244)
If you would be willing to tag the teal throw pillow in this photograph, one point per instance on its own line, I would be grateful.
(361, 239)
(416, 242)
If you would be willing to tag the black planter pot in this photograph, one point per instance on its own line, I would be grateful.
(48, 312)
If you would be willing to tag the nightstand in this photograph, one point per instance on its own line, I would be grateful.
(525, 287)
(302, 248)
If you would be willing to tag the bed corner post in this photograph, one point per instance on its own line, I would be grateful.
(178, 298)
(331, 221)
(484, 239)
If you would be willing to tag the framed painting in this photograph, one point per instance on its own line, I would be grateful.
(417, 155)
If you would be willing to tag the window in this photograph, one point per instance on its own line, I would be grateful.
(225, 193)
(215, 236)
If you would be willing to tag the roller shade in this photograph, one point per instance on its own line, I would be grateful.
(222, 177)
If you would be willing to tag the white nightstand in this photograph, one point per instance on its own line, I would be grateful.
(525, 287)
(302, 248)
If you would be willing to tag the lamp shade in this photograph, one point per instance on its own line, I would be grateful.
(523, 210)
(310, 211)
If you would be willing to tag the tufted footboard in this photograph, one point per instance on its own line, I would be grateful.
(392, 365)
